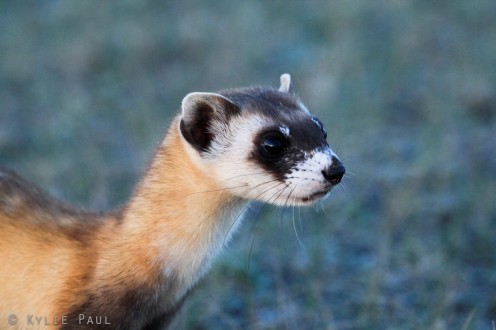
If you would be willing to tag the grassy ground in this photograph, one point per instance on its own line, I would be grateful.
(407, 90)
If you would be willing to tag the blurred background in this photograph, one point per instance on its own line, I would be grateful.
(406, 89)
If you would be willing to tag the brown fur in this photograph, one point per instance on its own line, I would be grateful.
(133, 266)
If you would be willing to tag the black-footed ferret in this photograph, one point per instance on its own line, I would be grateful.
(132, 268)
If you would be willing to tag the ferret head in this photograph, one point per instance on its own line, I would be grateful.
(261, 143)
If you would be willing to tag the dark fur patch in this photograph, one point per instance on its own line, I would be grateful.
(138, 306)
(17, 196)
(264, 100)
(304, 137)
(306, 133)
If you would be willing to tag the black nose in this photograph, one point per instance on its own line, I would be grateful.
(335, 172)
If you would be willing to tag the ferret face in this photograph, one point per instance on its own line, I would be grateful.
(261, 144)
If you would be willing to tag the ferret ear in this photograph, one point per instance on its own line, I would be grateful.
(286, 85)
(199, 111)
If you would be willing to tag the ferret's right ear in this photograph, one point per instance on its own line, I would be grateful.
(199, 112)
(286, 85)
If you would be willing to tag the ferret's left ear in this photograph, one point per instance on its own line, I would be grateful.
(286, 85)
(199, 112)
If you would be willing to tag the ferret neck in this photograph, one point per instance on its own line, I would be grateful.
(180, 215)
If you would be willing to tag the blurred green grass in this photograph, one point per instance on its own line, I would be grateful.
(407, 90)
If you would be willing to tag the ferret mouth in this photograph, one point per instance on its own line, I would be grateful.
(315, 196)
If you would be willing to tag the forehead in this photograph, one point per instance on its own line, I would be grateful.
(264, 101)
(270, 103)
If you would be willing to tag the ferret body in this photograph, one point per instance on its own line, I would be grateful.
(132, 268)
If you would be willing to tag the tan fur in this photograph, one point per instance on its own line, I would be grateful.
(46, 271)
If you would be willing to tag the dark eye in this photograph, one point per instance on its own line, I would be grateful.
(273, 146)
(319, 123)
